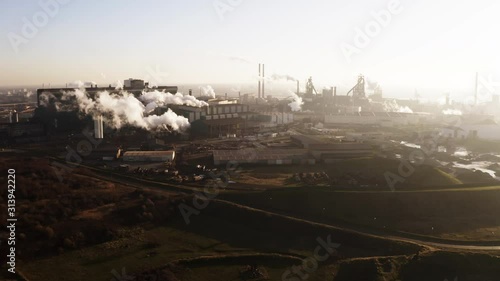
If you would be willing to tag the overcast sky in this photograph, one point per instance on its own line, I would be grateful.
(433, 46)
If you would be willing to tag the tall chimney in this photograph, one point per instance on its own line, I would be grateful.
(298, 87)
(259, 80)
(475, 90)
(98, 127)
(263, 81)
(335, 95)
(190, 92)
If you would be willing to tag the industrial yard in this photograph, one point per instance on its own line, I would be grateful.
(249, 140)
(268, 164)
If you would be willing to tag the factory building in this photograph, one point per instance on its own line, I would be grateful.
(473, 126)
(149, 156)
(328, 152)
(264, 156)
(134, 86)
(59, 121)
(220, 118)
(386, 119)
(22, 133)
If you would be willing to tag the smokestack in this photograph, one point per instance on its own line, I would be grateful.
(263, 81)
(335, 95)
(14, 117)
(98, 127)
(298, 87)
(259, 80)
(475, 91)
(190, 92)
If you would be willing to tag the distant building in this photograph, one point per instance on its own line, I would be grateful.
(264, 156)
(149, 156)
(217, 119)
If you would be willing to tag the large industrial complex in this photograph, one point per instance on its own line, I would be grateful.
(232, 140)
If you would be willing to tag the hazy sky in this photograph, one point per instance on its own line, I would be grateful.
(434, 46)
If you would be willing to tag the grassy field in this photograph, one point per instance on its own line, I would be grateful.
(457, 214)
(84, 228)
(372, 169)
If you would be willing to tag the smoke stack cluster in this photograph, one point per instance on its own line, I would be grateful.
(98, 127)
(14, 116)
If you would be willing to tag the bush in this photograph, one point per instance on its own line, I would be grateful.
(48, 232)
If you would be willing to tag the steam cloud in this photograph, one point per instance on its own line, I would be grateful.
(207, 91)
(79, 84)
(452, 112)
(296, 104)
(120, 109)
(393, 106)
(161, 98)
(283, 77)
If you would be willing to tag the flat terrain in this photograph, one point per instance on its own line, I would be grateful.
(368, 171)
(467, 214)
(86, 228)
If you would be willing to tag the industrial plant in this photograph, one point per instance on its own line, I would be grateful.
(250, 141)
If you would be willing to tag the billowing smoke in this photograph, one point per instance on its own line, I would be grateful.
(239, 59)
(283, 77)
(393, 106)
(452, 112)
(79, 84)
(207, 91)
(157, 98)
(296, 104)
(120, 109)
(371, 85)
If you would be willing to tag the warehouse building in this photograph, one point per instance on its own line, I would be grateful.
(264, 156)
(149, 156)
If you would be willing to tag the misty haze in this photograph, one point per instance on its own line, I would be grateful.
(250, 140)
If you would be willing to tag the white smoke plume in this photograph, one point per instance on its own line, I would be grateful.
(283, 77)
(393, 106)
(207, 91)
(296, 104)
(162, 98)
(452, 112)
(120, 109)
(79, 84)
(239, 59)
